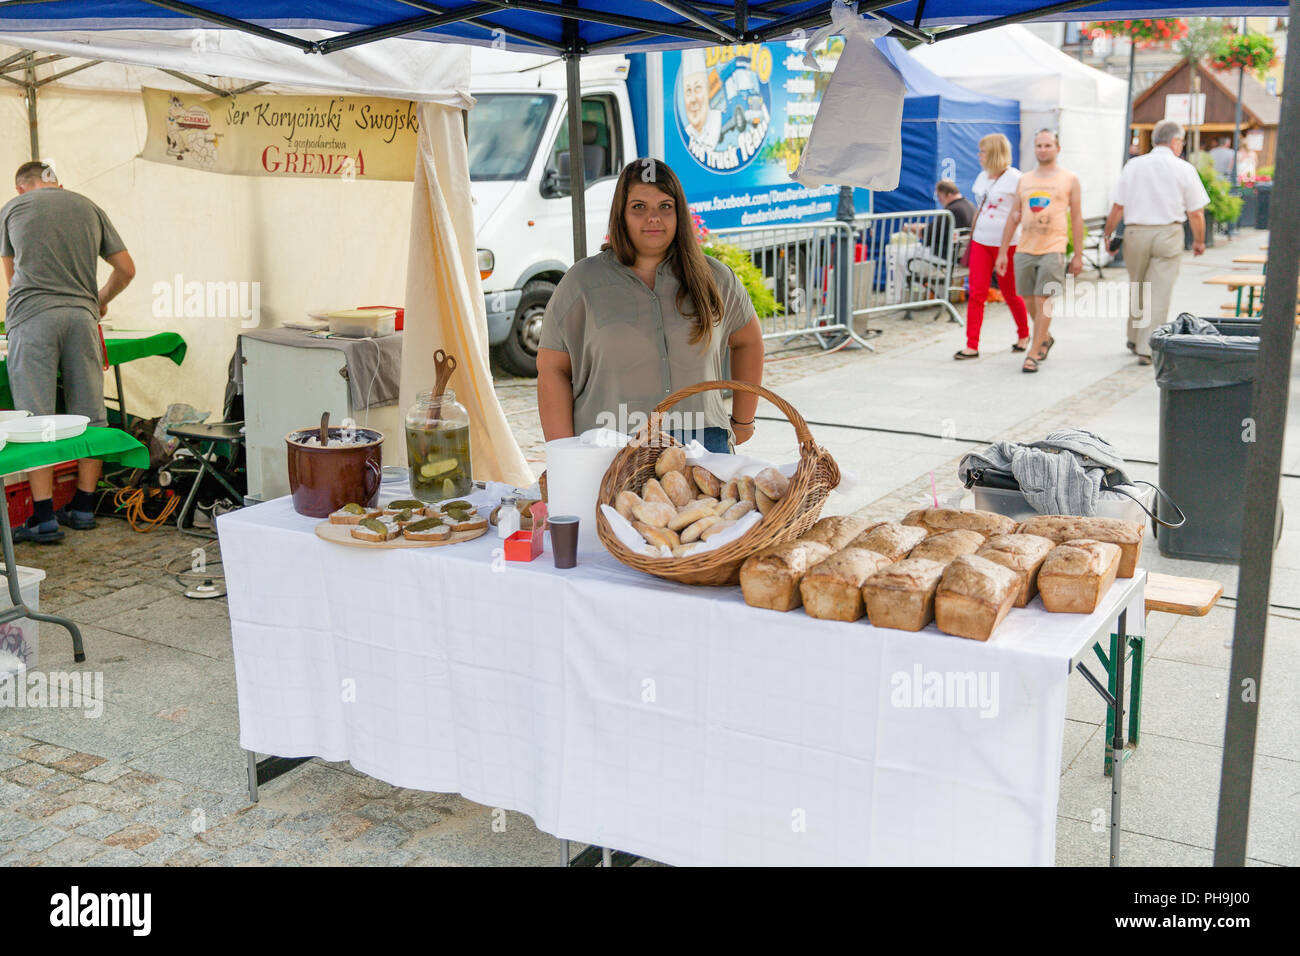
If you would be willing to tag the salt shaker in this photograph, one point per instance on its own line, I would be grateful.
(508, 518)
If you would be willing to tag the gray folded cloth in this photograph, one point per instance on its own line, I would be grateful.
(1067, 473)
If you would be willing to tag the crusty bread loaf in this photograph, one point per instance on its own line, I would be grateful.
(901, 595)
(671, 459)
(974, 596)
(838, 530)
(770, 578)
(1061, 528)
(890, 538)
(946, 545)
(937, 520)
(832, 588)
(680, 490)
(1077, 574)
(1023, 554)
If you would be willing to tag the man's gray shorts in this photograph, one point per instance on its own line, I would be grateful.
(63, 339)
(1040, 275)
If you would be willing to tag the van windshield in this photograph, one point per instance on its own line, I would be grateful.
(504, 131)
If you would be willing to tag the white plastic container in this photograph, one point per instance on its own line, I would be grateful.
(363, 323)
(20, 637)
(1013, 504)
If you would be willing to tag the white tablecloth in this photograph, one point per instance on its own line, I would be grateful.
(673, 722)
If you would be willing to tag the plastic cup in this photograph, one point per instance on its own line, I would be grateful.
(564, 540)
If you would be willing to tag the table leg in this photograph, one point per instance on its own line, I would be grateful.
(20, 609)
(1117, 741)
(121, 399)
(564, 853)
(252, 776)
(1135, 695)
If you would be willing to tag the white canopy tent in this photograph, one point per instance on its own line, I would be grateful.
(1084, 105)
(307, 243)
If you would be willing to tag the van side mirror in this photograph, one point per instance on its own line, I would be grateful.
(551, 182)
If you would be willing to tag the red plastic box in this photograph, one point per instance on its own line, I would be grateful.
(19, 496)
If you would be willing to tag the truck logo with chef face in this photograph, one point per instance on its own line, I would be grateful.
(723, 104)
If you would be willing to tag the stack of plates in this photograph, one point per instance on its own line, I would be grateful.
(41, 428)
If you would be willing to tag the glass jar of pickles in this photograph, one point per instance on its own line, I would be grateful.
(437, 447)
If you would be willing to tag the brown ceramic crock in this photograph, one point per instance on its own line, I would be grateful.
(323, 480)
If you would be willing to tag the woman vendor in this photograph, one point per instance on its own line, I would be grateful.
(648, 315)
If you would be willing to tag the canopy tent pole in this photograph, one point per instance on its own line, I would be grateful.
(1236, 124)
(1128, 103)
(577, 170)
(1263, 475)
(30, 87)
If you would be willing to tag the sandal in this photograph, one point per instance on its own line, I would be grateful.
(1021, 348)
(1029, 366)
(961, 356)
(1047, 347)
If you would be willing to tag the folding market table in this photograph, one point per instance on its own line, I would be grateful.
(672, 722)
(122, 346)
(108, 444)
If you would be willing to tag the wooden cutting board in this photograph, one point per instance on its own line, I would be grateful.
(1175, 595)
(342, 534)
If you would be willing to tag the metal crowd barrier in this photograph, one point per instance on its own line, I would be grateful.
(826, 275)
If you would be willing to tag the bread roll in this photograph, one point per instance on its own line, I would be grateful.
(1077, 574)
(890, 538)
(680, 491)
(692, 513)
(765, 504)
(692, 532)
(747, 489)
(670, 459)
(772, 483)
(654, 491)
(706, 481)
(730, 489)
(946, 545)
(832, 589)
(715, 529)
(770, 579)
(837, 531)
(654, 513)
(901, 595)
(658, 536)
(738, 510)
(937, 520)
(685, 550)
(974, 596)
(725, 505)
(1061, 528)
(625, 502)
(1023, 554)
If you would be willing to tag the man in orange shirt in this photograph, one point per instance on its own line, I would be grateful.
(1048, 207)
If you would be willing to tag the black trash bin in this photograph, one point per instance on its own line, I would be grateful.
(1263, 193)
(1205, 370)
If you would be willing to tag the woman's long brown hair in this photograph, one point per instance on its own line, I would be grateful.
(694, 277)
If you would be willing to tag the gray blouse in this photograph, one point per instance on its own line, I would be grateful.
(630, 346)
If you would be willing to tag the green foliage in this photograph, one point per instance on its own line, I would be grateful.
(1223, 207)
(1251, 52)
(1204, 34)
(1264, 172)
(748, 273)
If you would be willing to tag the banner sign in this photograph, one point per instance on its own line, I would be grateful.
(736, 119)
(312, 137)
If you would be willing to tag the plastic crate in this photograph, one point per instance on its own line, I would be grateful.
(19, 494)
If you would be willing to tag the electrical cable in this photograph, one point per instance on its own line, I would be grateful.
(133, 501)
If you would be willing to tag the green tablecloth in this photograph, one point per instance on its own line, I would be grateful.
(108, 444)
(123, 347)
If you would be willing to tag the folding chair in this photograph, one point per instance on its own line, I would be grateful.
(199, 440)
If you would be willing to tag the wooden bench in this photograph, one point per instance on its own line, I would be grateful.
(1192, 597)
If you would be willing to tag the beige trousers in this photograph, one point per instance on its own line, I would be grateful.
(1152, 255)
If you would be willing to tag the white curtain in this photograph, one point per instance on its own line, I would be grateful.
(444, 296)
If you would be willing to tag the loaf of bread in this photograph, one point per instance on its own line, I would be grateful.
(946, 545)
(890, 538)
(1061, 528)
(937, 520)
(1023, 554)
(974, 596)
(838, 530)
(770, 578)
(832, 589)
(901, 595)
(1077, 574)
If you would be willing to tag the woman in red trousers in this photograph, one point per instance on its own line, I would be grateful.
(995, 192)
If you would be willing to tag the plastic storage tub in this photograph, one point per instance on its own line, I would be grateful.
(1013, 504)
(19, 638)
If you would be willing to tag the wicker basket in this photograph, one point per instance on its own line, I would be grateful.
(793, 515)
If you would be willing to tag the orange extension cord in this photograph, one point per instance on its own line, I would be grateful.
(133, 499)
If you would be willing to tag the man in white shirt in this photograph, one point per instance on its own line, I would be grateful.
(1155, 195)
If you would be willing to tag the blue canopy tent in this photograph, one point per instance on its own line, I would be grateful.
(942, 126)
(577, 27)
